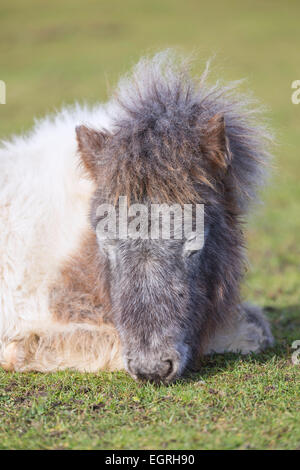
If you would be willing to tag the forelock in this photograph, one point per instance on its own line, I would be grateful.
(159, 113)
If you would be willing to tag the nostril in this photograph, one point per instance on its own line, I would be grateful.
(156, 371)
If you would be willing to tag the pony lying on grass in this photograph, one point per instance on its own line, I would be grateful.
(151, 306)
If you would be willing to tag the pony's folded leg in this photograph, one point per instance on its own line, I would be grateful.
(248, 332)
(82, 349)
(9, 357)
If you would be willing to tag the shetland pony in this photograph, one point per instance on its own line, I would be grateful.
(153, 307)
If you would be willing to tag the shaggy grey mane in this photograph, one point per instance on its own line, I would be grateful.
(161, 99)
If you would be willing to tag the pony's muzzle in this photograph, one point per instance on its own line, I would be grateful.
(155, 371)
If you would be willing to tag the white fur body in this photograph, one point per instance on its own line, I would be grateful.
(44, 206)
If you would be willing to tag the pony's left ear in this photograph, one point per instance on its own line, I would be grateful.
(90, 144)
(214, 145)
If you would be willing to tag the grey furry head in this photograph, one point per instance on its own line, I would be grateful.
(174, 139)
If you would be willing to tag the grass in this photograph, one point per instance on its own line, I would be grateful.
(56, 52)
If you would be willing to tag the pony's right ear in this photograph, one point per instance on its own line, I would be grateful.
(215, 145)
(90, 144)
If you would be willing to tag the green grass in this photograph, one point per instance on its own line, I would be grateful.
(55, 52)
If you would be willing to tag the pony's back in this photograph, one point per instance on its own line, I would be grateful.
(44, 199)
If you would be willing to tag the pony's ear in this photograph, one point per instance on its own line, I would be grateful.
(214, 144)
(90, 144)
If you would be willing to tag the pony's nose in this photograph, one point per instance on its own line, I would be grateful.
(155, 372)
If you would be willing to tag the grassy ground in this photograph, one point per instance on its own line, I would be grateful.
(55, 52)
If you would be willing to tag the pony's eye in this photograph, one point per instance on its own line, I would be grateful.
(189, 250)
(191, 253)
(192, 246)
(195, 243)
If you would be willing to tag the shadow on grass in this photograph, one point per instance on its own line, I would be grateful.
(285, 325)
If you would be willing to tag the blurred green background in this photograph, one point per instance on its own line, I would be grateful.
(53, 53)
